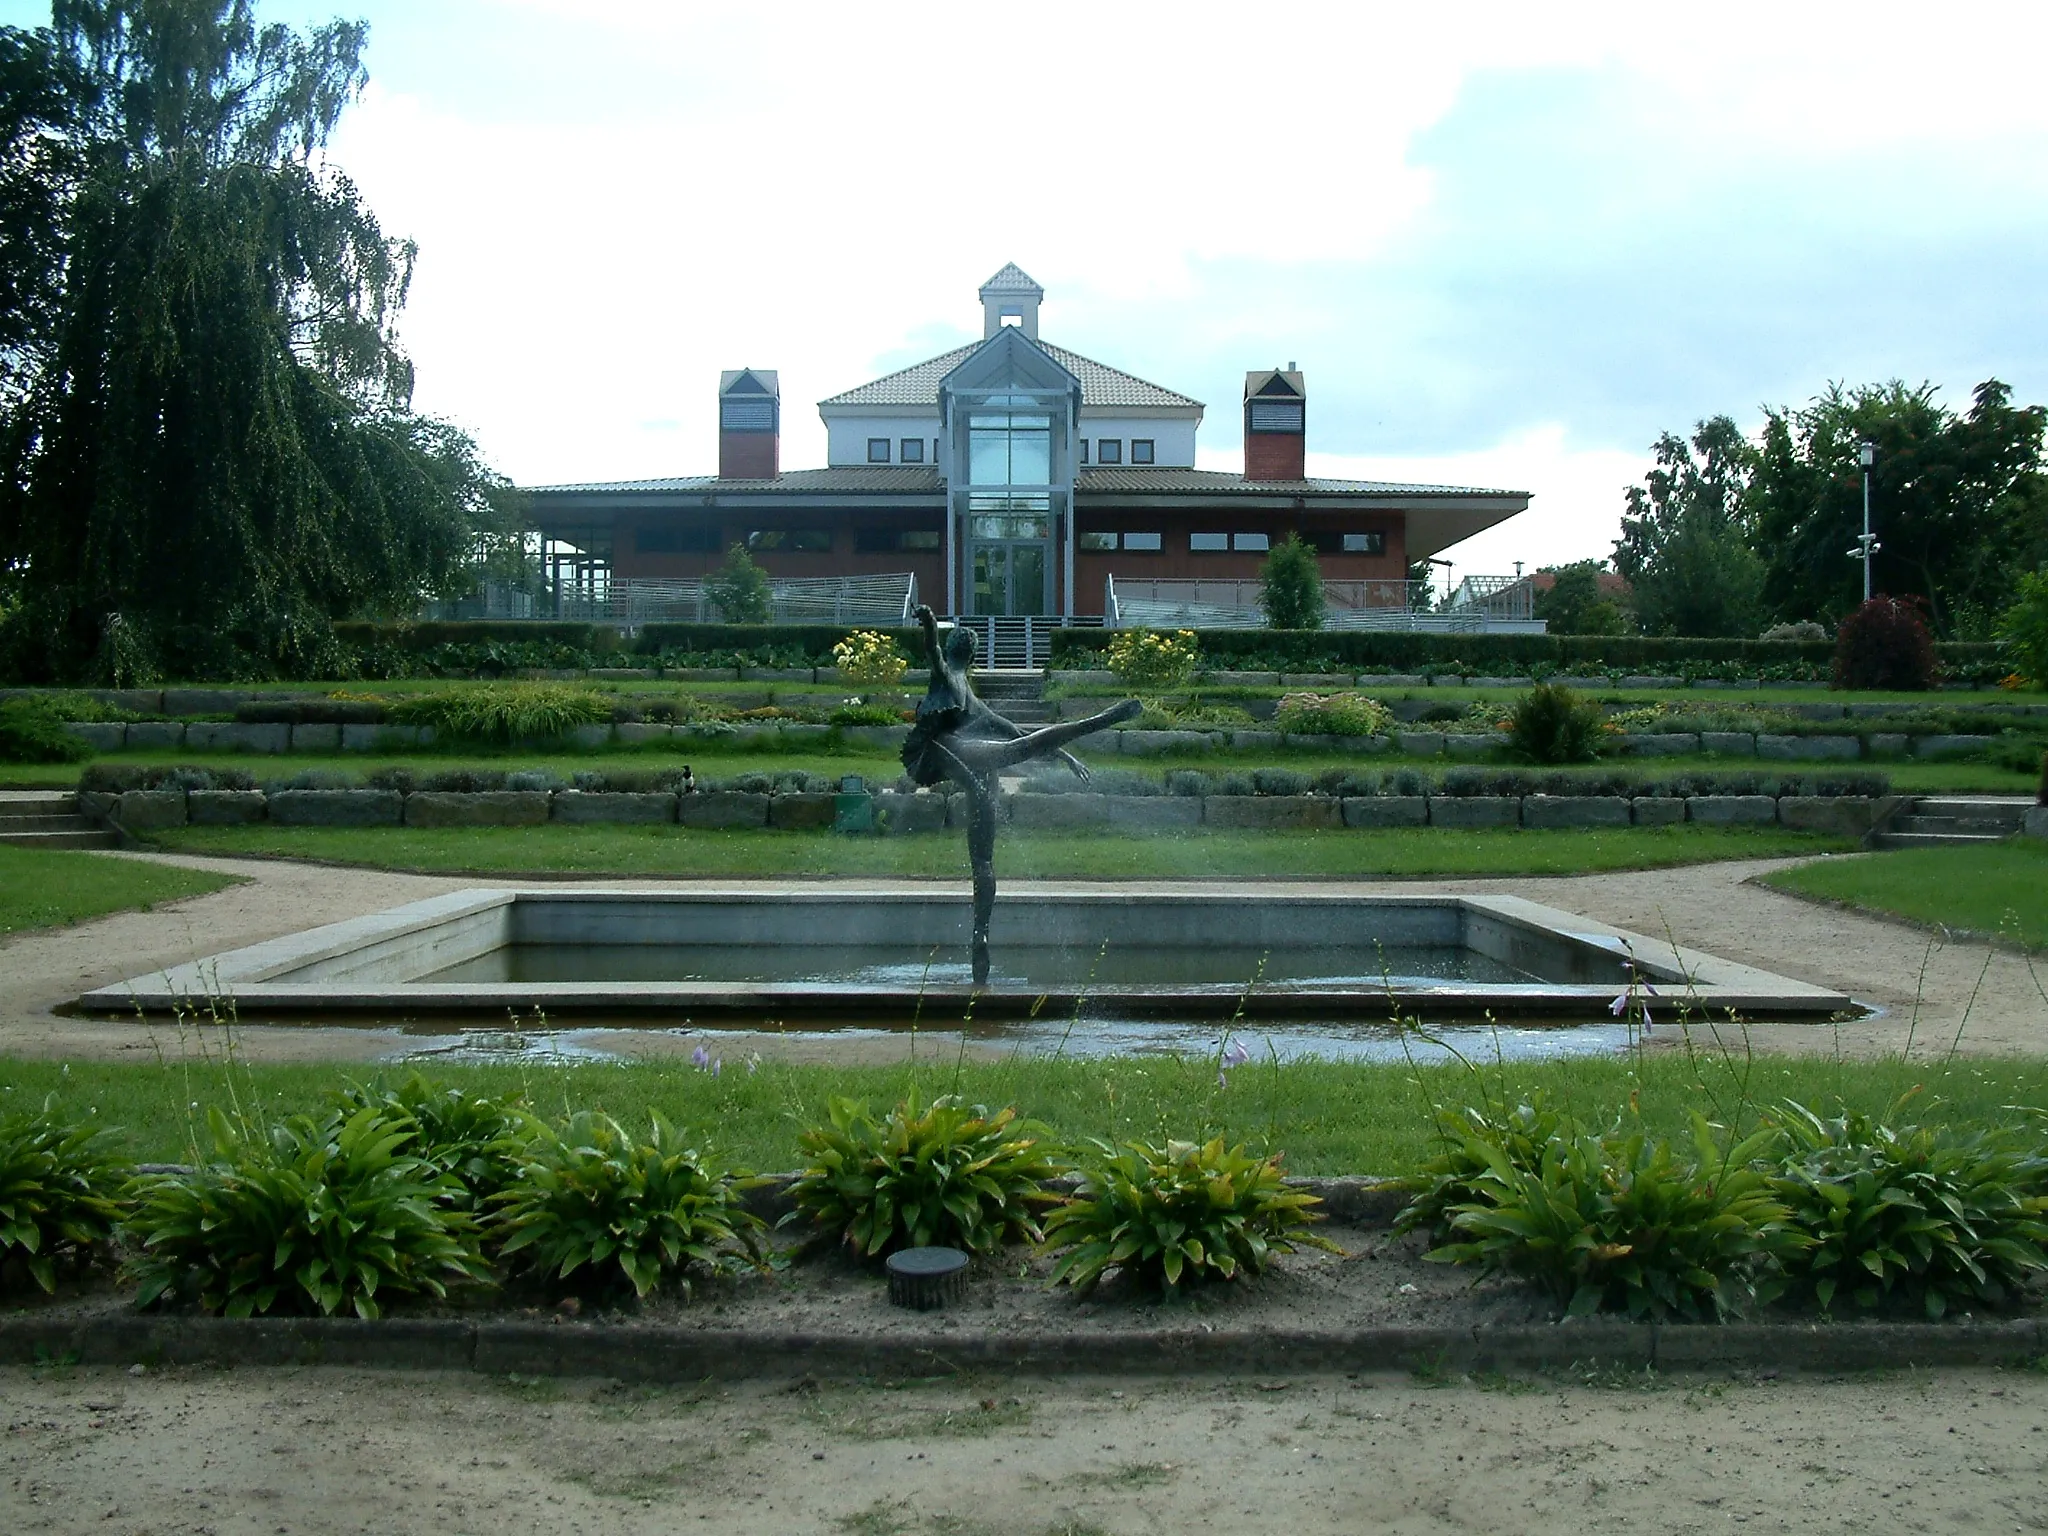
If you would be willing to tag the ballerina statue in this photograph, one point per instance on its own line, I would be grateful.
(956, 736)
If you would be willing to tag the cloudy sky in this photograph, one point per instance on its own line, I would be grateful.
(1509, 245)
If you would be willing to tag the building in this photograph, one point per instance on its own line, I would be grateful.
(1007, 479)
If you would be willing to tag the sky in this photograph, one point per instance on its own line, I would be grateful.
(1508, 245)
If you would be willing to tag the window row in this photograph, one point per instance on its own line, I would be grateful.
(879, 541)
(909, 451)
(1110, 450)
(1248, 543)
(1106, 450)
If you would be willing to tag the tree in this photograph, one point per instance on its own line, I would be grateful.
(207, 453)
(1684, 546)
(1959, 503)
(1574, 603)
(1291, 586)
(740, 590)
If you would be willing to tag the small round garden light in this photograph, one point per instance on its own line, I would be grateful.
(926, 1278)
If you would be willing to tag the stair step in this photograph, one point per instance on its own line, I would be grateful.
(59, 822)
(1934, 839)
(80, 839)
(1976, 826)
(2002, 807)
(37, 803)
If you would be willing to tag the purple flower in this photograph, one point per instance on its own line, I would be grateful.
(1235, 1054)
(718, 1064)
(700, 1058)
(1618, 1005)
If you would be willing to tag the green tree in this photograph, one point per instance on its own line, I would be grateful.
(1960, 503)
(1574, 603)
(740, 590)
(1291, 586)
(207, 453)
(1685, 545)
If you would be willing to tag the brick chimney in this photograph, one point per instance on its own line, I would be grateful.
(1275, 425)
(749, 424)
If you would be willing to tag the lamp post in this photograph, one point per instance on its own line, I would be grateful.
(1866, 455)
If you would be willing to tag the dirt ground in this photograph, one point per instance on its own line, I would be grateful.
(332, 1450)
(1921, 989)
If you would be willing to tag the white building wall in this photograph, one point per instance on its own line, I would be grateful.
(847, 436)
(1173, 442)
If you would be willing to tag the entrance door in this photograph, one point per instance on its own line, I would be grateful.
(1009, 579)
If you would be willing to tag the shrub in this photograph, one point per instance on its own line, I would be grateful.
(1932, 1218)
(1335, 714)
(590, 1198)
(921, 1176)
(60, 1184)
(32, 731)
(1291, 586)
(1803, 629)
(869, 656)
(475, 1139)
(1145, 659)
(1551, 724)
(865, 714)
(320, 1216)
(1623, 1222)
(503, 713)
(1183, 1211)
(1450, 1179)
(2023, 628)
(1884, 644)
(740, 591)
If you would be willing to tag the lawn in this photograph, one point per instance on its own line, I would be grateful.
(42, 888)
(1328, 1118)
(1999, 888)
(1105, 854)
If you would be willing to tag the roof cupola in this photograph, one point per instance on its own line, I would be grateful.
(749, 424)
(1010, 298)
(1275, 425)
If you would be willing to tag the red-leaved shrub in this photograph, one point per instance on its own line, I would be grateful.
(1885, 644)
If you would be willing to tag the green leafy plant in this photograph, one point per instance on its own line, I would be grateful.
(1291, 586)
(1450, 1179)
(60, 1185)
(2023, 628)
(1926, 1217)
(1184, 1211)
(1625, 1223)
(593, 1200)
(1334, 714)
(1144, 658)
(1885, 644)
(942, 1174)
(477, 1140)
(32, 731)
(855, 713)
(740, 591)
(1552, 724)
(318, 1216)
(503, 713)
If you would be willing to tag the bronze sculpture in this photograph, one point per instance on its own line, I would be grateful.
(956, 736)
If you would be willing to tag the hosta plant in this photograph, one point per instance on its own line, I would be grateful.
(1912, 1215)
(476, 1139)
(60, 1185)
(922, 1176)
(1186, 1211)
(593, 1205)
(1627, 1223)
(500, 714)
(1448, 1180)
(1332, 714)
(326, 1216)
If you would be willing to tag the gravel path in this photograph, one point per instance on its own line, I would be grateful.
(1924, 991)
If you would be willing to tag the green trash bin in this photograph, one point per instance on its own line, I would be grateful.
(853, 808)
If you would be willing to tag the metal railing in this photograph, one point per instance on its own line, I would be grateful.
(638, 600)
(1494, 604)
(1020, 643)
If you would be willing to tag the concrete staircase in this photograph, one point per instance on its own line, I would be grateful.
(49, 819)
(1016, 692)
(1936, 821)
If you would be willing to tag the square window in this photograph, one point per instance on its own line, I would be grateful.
(802, 540)
(1365, 543)
(910, 451)
(1325, 543)
(654, 541)
(1141, 543)
(1208, 543)
(1110, 450)
(878, 450)
(1141, 450)
(919, 538)
(1257, 543)
(1084, 450)
(1097, 542)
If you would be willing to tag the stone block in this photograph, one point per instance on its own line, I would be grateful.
(203, 701)
(1361, 746)
(888, 738)
(1475, 811)
(1809, 749)
(342, 808)
(226, 807)
(1265, 741)
(701, 674)
(1653, 811)
(316, 738)
(1272, 812)
(145, 810)
(1950, 746)
(639, 733)
(1728, 743)
(622, 674)
(791, 735)
(1392, 680)
(1374, 811)
(140, 701)
(1837, 815)
(776, 675)
(1647, 681)
(214, 736)
(155, 735)
(1090, 677)
(1152, 743)
(1032, 810)
(1446, 679)
(1315, 679)
(1732, 810)
(1890, 743)
(1660, 743)
(1471, 745)
(1499, 682)
(2035, 822)
(1580, 684)
(1420, 743)
(722, 808)
(492, 808)
(897, 813)
(100, 735)
(96, 804)
(1224, 679)
(378, 738)
(588, 738)
(802, 812)
(582, 808)
(1816, 711)
(1574, 811)
(1152, 812)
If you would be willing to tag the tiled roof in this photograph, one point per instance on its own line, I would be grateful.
(876, 479)
(1211, 482)
(1012, 279)
(1101, 385)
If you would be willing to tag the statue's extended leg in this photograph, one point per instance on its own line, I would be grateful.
(988, 756)
(981, 860)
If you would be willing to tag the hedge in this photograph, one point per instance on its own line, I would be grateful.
(366, 634)
(814, 641)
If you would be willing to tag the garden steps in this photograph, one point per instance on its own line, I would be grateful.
(1016, 693)
(1936, 821)
(32, 819)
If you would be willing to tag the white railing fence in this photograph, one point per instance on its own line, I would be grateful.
(1497, 605)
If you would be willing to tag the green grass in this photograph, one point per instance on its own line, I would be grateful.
(2001, 888)
(1108, 854)
(1328, 1118)
(42, 888)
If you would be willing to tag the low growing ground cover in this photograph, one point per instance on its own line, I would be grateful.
(1100, 854)
(2000, 888)
(48, 889)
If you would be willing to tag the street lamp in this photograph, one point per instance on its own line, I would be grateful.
(1866, 455)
